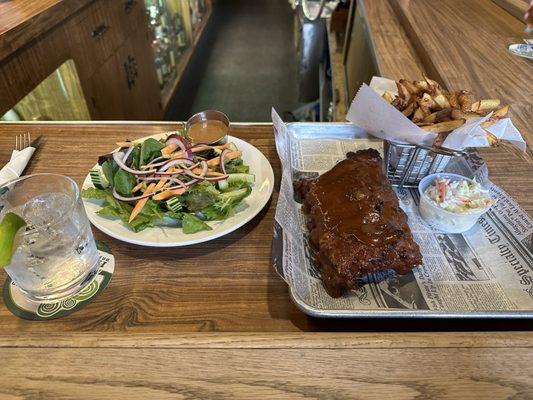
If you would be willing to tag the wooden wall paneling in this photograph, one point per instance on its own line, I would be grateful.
(142, 96)
(23, 21)
(105, 91)
(94, 35)
(21, 72)
(129, 15)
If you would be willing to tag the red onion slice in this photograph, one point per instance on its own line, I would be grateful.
(125, 159)
(171, 179)
(217, 178)
(174, 162)
(181, 142)
(127, 199)
(155, 160)
(118, 157)
(169, 173)
(196, 145)
(202, 174)
(222, 155)
(176, 187)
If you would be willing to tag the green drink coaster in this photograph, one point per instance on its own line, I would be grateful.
(17, 302)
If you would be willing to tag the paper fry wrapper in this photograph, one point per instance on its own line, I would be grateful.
(375, 115)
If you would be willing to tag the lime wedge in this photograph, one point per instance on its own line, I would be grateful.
(9, 227)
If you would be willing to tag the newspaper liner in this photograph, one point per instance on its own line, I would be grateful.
(485, 272)
(379, 118)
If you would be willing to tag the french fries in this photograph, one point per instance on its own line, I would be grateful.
(436, 110)
(445, 126)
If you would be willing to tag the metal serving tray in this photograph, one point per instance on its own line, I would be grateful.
(467, 265)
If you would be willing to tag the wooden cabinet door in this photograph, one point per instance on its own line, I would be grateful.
(94, 35)
(125, 87)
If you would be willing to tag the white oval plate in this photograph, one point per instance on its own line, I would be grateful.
(174, 236)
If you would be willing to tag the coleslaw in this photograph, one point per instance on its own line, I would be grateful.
(460, 196)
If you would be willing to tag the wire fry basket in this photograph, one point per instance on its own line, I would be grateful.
(407, 164)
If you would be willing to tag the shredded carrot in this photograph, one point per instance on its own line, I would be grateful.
(152, 187)
(442, 190)
(229, 156)
(215, 161)
(137, 187)
(214, 173)
(140, 203)
(168, 150)
(167, 194)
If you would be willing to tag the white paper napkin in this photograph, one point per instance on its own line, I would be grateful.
(13, 169)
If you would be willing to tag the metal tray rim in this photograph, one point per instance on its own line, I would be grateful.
(398, 313)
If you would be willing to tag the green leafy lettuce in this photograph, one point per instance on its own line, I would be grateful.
(236, 166)
(124, 182)
(110, 168)
(200, 196)
(150, 149)
(193, 224)
(225, 204)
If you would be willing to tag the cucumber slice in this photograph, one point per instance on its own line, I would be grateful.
(234, 193)
(234, 179)
(9, 227)
(241, 178)
(222, 185)
(174, 204)
(98, 179)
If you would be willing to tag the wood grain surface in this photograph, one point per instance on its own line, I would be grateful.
(515, 7)
(215, 321)
(226, 284)
(395, 55)
(494, 373)
(463, 44)
(21, 21)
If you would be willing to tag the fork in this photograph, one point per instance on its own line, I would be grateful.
(22, 141)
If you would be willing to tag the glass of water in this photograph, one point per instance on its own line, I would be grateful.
(55, 255)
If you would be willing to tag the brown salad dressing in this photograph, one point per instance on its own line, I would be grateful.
(208, 131)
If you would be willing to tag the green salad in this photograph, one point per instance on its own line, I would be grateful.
(170, 182)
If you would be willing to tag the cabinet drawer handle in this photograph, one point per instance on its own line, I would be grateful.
(99, 31)
(130, 68)
(128, 5)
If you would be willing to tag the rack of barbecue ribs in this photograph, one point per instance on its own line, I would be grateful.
(355, 222)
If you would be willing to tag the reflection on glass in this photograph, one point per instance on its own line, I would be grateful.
(169, 39)
(58, 98)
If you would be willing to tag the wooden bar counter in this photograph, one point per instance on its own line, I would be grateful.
(215, 321)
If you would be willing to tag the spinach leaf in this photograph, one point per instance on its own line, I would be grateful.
(150, 149)
(110, 168)
(142, 222)
(151, 209)
(134, 158)
(193, 224)
(124, 182)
